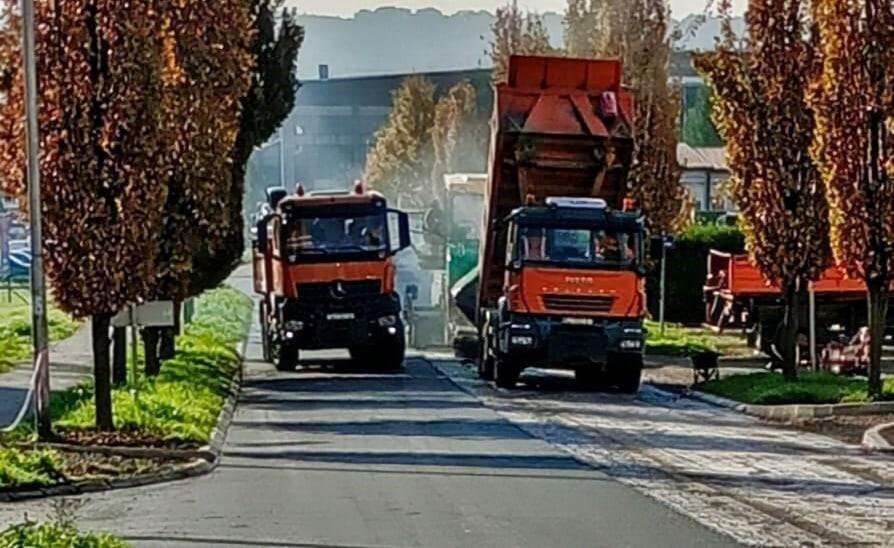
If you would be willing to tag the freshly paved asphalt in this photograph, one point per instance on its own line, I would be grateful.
(331, 457)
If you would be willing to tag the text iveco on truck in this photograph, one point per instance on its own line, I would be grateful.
(324, 263)
(561, 267)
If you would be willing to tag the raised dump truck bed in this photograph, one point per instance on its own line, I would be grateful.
(561, 128)
(561, 264)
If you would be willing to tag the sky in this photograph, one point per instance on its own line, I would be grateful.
(346, 8)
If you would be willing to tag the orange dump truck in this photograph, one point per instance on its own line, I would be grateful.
(561, 282)
(737, 295)
(324, 265)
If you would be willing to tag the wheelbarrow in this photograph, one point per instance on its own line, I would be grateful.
(705, 366)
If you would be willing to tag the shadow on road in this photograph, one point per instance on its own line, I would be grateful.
(536, 462)
(453, 428)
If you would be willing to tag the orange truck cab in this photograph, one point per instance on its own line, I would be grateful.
(324, 265)
(561, 283)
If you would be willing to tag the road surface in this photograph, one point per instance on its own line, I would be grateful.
(338, 458)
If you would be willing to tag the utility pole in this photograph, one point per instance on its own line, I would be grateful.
(38, 288)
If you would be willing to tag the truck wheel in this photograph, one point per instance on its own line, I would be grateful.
(485, 361)
(505, 374)
(265, 335)
(393, 353)
(627, 372)
(287, 360)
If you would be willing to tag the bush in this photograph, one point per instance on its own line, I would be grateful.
(55, 535)
(687, 269)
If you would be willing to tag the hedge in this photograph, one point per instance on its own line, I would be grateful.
(687, 267)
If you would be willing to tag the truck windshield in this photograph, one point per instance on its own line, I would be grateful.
(578, 246)
(340, 235)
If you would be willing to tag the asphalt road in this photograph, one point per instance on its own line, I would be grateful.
(333, 457)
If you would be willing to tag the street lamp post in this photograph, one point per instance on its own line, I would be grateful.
(38, 289)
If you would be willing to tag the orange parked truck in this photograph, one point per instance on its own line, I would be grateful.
(324, 265)
(738, 296)
(561, 282)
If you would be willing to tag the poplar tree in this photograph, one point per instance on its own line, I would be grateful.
(854, 106)
(516, 32)
(636, 31)
(399, 162)
(761, 112)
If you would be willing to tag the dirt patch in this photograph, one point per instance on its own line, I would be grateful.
(121, 438)
(888, 434)
(83, 466)
(847, 428)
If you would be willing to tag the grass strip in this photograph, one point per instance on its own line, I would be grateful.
(55, 535)
(15, 331)
(809, 388)
(181, 405)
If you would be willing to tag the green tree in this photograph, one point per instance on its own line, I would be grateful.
(698, 127)
(400, 161)
(762, 114)
(854, 148)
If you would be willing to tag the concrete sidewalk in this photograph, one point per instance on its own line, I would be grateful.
(71, 362)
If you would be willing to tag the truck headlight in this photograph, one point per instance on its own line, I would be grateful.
(631, 344)
(522, 340)
(388, 321)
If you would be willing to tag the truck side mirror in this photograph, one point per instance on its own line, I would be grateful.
(399, 225)
(275, 195)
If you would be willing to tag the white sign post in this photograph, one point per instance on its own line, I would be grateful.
(151, 314)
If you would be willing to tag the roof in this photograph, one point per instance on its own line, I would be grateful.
(400, 75)
(704, 158)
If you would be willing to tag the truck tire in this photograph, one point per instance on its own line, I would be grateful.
(626, 372)
(393, 353)
(485, 361)
(287, 357)
(265, 334)
(505, 374)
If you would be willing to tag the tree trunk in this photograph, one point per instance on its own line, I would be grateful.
(119, 356)
(878, 312)
(789, 342)
(150, 351)
(102, 372)
(168, 344)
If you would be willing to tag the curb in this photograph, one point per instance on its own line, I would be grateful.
(875, 442)
(794, 411)
(203, 460)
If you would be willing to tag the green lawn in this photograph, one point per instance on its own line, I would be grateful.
(686, 341)
(55, 535)
(809, 388)
(184, 401)
(180, 405)
(15, 330)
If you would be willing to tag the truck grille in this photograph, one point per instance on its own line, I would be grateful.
(339, 290)
(579, 303)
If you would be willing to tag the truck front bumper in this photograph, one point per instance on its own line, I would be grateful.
(560, 343)
(323, 326)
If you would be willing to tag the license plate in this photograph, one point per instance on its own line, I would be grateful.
(340, 316)
(578, 321)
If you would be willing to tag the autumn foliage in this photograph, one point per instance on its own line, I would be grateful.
(516, 32)
(761, 111)
(853, 99)
(637, 33)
